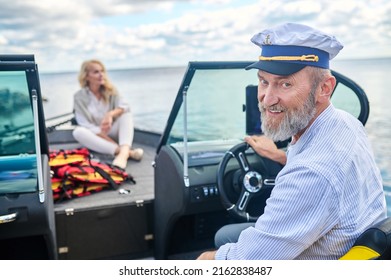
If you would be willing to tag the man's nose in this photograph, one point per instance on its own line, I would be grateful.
(268, 96)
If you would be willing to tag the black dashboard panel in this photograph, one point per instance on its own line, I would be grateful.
(178, 206)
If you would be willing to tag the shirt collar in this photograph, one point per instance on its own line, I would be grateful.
(310, 131)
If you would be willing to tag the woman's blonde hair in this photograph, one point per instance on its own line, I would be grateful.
(106, 89)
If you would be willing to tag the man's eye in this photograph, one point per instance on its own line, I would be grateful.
(286, 85)
(263, 82)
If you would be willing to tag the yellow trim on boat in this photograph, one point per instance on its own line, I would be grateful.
(360, 253)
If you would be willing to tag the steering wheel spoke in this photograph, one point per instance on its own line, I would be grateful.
(243, 162)
(243, 200)
(269, 182)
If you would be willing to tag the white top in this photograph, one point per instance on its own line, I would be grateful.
(98, 109)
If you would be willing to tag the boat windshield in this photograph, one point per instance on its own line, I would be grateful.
(18, 162)
(216, 105)
(221, 103)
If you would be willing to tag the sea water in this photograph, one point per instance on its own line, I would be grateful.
(151, 94)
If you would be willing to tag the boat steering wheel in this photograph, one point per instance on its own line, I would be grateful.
(250, 182)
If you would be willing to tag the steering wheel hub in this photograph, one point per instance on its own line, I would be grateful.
(252, 181)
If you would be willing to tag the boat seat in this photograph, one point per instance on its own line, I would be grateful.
(372, 244)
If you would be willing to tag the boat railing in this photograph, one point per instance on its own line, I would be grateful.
(60, 120)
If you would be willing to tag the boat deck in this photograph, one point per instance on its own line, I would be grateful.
(142, 171)
(136, 224)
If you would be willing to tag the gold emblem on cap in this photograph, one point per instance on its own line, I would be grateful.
(267, 40)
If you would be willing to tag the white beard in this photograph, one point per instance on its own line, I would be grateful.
(295, 120)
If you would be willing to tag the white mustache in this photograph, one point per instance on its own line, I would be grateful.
(271, 108)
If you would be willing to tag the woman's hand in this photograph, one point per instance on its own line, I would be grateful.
(267, 148)
(106, 123)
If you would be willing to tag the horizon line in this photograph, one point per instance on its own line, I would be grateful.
(184, 66)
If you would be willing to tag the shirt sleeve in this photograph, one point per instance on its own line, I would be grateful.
(301, 209)
(123, 104)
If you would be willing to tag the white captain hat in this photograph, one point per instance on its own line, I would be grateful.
(290, 47)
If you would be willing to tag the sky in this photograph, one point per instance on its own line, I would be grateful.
(160, 33)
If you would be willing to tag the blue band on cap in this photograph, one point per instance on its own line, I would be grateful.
(289, 51)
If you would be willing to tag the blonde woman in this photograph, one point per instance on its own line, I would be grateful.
(105, 123)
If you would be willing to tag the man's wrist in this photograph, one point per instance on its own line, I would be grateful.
(280, 157)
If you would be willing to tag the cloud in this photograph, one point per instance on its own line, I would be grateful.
(63, 33)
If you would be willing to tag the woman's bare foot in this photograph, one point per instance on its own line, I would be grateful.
(121, 159)
(136, 154)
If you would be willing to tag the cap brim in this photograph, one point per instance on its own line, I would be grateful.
(277, 67)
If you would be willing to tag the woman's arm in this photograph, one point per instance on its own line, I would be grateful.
(108, 119)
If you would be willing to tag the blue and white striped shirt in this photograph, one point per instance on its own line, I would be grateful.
(327, 194)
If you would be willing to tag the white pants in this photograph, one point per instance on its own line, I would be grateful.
(121, 131)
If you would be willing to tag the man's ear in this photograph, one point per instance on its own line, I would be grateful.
(327, 88)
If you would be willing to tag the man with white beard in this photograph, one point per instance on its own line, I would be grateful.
(330, 189)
